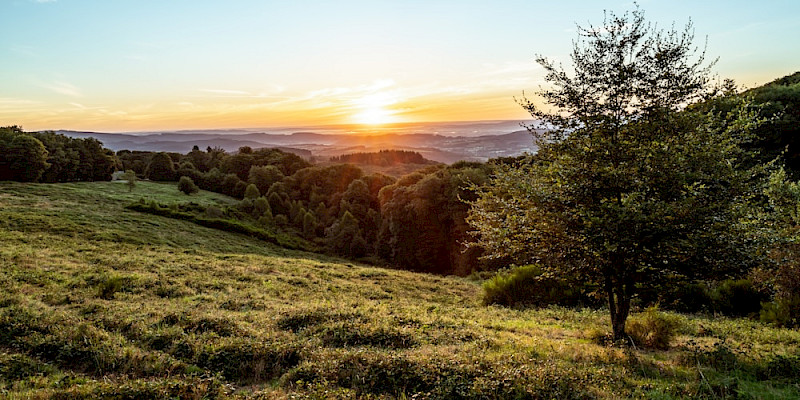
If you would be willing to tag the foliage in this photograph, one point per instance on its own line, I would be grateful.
(625, 191)
(130, 178)
(160, 168)
(383, 157)
(737, 297)
(73, 159)
(207, 313)
(423, 225)
(778, 105)
(187, 186)
(263, 176)
(527, 286)
(344, 237)
(782, 311)
(22, 157)
(51, 157)
(781, 278)
(652, 329)
(251, 192)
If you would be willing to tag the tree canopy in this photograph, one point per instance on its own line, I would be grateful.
(628, 189)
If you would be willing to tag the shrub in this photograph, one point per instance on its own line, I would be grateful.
(783, 367)
(652, 329)
(782, 312)
(160, 168)
(527, 286)
(186, 185)
(688, 298)
(737, 298)
(109, 286)
(251, 192)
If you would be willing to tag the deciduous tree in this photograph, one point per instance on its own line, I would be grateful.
(627, 189)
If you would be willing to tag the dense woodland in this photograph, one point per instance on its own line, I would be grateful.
(383, 158)
(417, 222)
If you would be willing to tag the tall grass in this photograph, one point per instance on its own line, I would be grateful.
(98, 301)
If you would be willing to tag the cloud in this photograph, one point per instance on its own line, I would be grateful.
(43, 1)
(64, 88)
(9, 104)
(269, 92)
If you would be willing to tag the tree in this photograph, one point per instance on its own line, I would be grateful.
(186, 185)
(264, 176)
(251, 192)
(344, 237)
(160, 168)
(627, 189)
(22, 157)
(130, 177)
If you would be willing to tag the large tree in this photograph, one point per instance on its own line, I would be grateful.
(627, 189)
(22, 157)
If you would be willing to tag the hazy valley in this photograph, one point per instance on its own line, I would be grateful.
(441, 142)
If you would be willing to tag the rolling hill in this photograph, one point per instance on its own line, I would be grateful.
(437, 147)
(98, 301)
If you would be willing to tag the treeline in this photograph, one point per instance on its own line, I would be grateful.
(214, 169)
(51, 157)
(383, 158)
(416, 222)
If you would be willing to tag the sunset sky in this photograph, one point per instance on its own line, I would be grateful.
(126, 65)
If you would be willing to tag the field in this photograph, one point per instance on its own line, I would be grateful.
(97, 301)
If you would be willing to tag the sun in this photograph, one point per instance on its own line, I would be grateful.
(374, 110)
(374, 116)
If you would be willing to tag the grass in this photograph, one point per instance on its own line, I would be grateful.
(98, 301)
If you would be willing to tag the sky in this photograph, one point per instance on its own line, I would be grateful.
(143, 65)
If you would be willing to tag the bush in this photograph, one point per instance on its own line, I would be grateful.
(688, 298)
(251, 192)
(783, 367)
(109, 286)
(160, 168)
(737, 298)
(652, 329)
(782, 312)
(186, 185)
(526, 286)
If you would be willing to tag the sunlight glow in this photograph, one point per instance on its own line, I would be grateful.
(375, 116)
(374, 109)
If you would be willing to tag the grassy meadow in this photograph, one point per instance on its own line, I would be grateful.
(98, 301)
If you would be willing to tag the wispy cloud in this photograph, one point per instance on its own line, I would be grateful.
(10, 104)
(265, 93)
(60, 87)
(226, 92)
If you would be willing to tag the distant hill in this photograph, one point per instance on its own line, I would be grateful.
(432, 146)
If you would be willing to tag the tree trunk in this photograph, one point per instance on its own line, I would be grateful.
(619, 318)
(619, 306)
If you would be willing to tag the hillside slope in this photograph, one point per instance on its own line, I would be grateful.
(97, 301)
